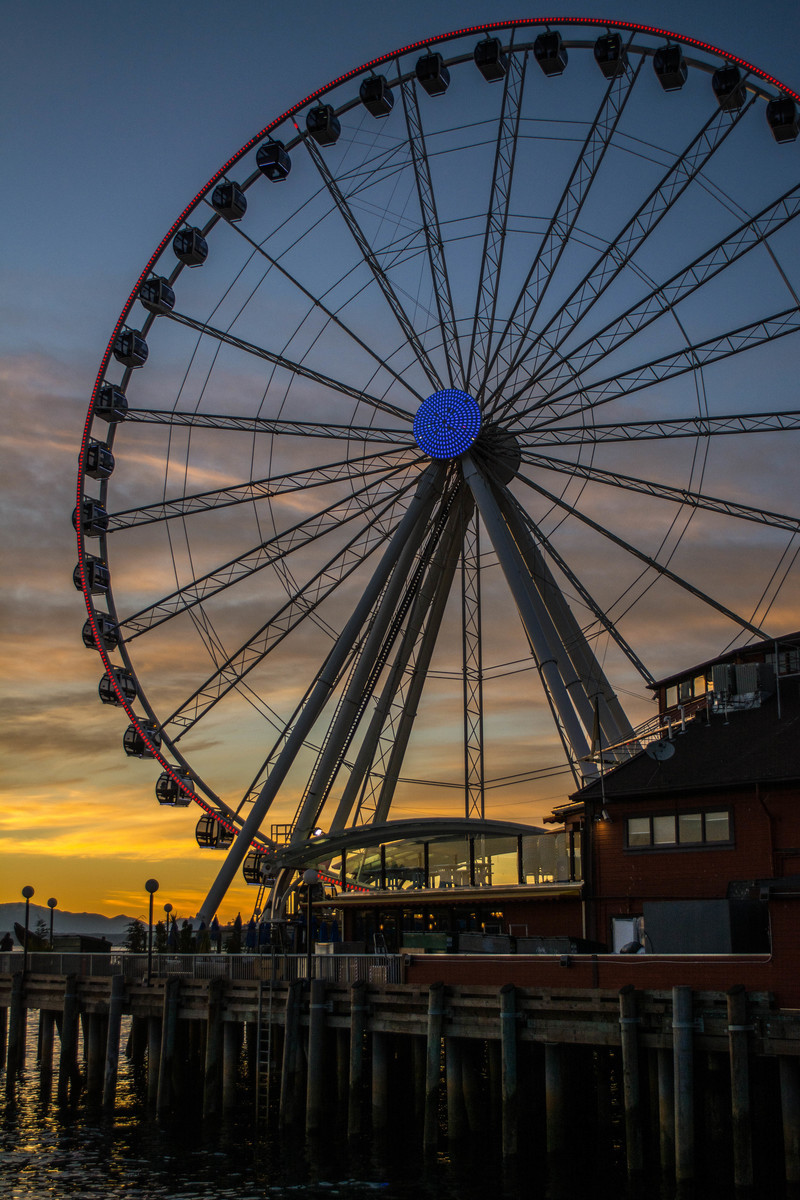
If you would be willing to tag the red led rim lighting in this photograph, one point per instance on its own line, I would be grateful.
(491, 27)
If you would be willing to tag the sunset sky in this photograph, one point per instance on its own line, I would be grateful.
(116, 114)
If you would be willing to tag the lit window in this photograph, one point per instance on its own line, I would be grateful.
(638, 831)
(679, 829)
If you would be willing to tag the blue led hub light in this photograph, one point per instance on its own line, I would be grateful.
(447, 424)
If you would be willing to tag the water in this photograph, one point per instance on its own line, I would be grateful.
(47, 1153)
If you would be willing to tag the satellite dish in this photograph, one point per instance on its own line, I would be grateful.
(660, 751)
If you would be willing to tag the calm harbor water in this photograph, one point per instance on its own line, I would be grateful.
(47, 1152)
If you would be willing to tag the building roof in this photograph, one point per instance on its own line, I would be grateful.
(752, 651)
(742, 748)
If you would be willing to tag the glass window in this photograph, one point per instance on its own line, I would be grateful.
(672, 696)
(685, 690)
(717, 827)
(690, 827)
(638, 831)
(664, 831)
(700, 686)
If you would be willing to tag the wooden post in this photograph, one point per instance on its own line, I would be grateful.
(629, 1042)
(555, 1101)
(16, 1049)
(212, 1078)
(342, 1042)
(454, 1074)
(358, 1027)
(231, 1050)
(509, 1073)
(251, 1051)
(289, 1068)
(3, 1036)
(433, 1060)
(95, 1052)
(380, 1081)
(683, 1061)
(68, 1073)
(315, 1085)
(47, 1027)
(470, 1082)
(418, 1068)
(169, 1037)
(112, 1041)
(154, 1035)
(790, 1114)
(738, 1031)
(666, 1109)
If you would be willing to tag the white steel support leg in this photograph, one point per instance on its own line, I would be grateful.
(416, 517)
(438, 580)
(421, 664)
(614, 723)
(351, 702)
(516, 574)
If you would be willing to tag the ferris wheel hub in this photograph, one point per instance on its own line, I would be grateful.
(447, 423)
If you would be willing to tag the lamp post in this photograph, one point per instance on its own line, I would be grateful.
(151, 886)
(310, 877)
(51, 904)
(27, 892)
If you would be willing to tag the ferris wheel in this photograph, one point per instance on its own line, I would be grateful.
(456, 395)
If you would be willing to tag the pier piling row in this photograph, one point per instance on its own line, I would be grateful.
(657, 1066)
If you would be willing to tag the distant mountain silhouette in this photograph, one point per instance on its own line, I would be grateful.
(89, 924)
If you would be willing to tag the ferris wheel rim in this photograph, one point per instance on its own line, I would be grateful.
(524, 23)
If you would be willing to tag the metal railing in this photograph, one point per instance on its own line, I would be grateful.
(337, 968)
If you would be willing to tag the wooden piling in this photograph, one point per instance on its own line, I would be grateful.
(154, 1034)
(3, 1036)
(738, 1042)
(471, 1085)
(315, 1084)
(683, 1062)
(454, 1076)
(231, 1052)
(555, 1098)
(418, 1070)
(48, 1024)
(509, 1081)
(16, 1045)
(358, 1026)
(433, 1060)
(212, 1074)
(68, 1073)
(115, 1007)
(165, 1093)
(380, 1081)
(95, 1052)
(629, 1042)
(666, 1109)
(291, 1050)
(790, 1115)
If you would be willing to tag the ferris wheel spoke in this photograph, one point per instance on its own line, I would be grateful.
(748, 235)
(668, 366)
(298, 607)
(663, 491)
(316, 526)
(332, 316)
(656, 566)
(433, 235)
(510, 345)
(293, 367)
(623, 247)
(370, 258)
(497, 217)
(268, 425)
(675, 427)
(259, 489)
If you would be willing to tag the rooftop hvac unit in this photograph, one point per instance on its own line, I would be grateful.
(754, 678)
(724, 679)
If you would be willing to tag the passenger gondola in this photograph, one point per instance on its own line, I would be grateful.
(99, 460)
(126, 684)
(550, 52)
(376, 96)
(156, 295)
(190, 247)
(490, 60)
(432, 75)
(728, 87)
(96, 574)
(169, 790)
(106, 628)
(610, 55)
(110, 404)
(782, 118)
(130, 348)
(211, 834)
(323, 125)
(273, 161)
(93, 518)
(136, 745)
(229, 201)
(670, 67)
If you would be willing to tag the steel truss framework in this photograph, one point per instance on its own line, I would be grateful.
(611, 272)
